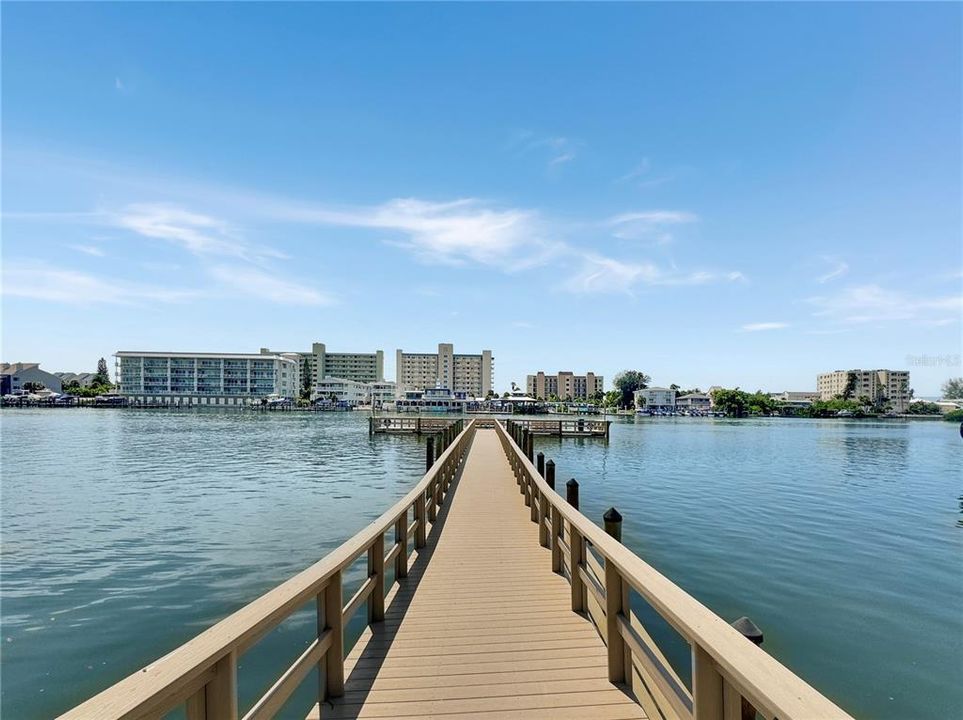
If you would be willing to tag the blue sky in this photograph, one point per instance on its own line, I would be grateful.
(715, 194)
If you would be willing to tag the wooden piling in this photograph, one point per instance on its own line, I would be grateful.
(753, 634)
(429, 453)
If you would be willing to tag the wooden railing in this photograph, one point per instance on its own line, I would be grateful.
(578, 427)
(419, 425)
(201, 675)
(727, 669)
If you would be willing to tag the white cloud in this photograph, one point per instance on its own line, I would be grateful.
(763, 326)
(199, 234)
(88, 250)
(119, 84)
(248, 280)
(600, 274)
(448, 232)
(651, 225)
(871, 303)
(736, 276)
(40, 281)
(838, 269)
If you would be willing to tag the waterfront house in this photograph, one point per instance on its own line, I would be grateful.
(655, 398)
(694, 402)
(13, 377)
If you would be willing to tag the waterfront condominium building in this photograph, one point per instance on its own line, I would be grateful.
(358, 367)
(880, 386)
(564, 385)
(417, 372)
(179, 378)
(655, 398)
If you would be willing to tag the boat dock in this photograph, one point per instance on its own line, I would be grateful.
(504, 602)
(578, 427)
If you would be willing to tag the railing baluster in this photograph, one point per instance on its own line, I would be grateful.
(422, 519)
(401, 536)
(331, 617)
(707, 695)
(376, 569)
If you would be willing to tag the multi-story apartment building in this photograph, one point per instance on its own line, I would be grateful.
(359, 367)
(460, 373)
(564, 385)
(178, 378)
(13, 376)
(890, 387)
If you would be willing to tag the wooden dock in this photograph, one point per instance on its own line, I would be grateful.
(507, 603)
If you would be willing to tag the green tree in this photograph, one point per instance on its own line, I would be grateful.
(923, 408)
(627, 382)
(102, 378)
(851, 380)
(733, 402)
(953, 388)
(305, 379)
(612, 399)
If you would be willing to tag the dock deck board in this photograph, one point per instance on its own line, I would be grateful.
(469, 635)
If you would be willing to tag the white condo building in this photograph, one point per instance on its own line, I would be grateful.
(178, 378)
(470, 374)
(359, 367)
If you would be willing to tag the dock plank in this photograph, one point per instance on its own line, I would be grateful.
(469, 635)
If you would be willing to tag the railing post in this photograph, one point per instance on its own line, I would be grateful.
(420, 530)
(571, 493)
(429, 452)
(616, 604)
(330, 617)
(612, 521)
(401, 537)
(376, 569)
(707, 693)
(753, 634)
(576, 550)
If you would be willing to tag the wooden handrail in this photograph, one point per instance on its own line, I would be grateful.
(202, 672)
(725, 666)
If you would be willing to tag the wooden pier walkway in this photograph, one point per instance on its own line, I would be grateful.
(471, 635)
(505, 602)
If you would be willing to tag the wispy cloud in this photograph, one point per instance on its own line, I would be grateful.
(600, 274)
(763, 326)
(199, 234)
(88, 250)
(119, 84)
(650, 225)
(40, 281)
(558, 149)
(838, 268)
(248, 280)
(871, 303)
(642, 176)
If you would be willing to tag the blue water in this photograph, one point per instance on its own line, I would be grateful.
(124, 533)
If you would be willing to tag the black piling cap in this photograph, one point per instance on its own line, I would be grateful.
(748, 629)
(550, 462)
(573, 483)
(612, 515)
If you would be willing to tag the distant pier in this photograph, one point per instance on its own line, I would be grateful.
(578, 427)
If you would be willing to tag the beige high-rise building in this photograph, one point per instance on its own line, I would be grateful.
(358, 367)
(564, 385)
(457, 372)
(877, 385)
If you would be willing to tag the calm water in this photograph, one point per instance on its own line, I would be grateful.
(125, 533)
